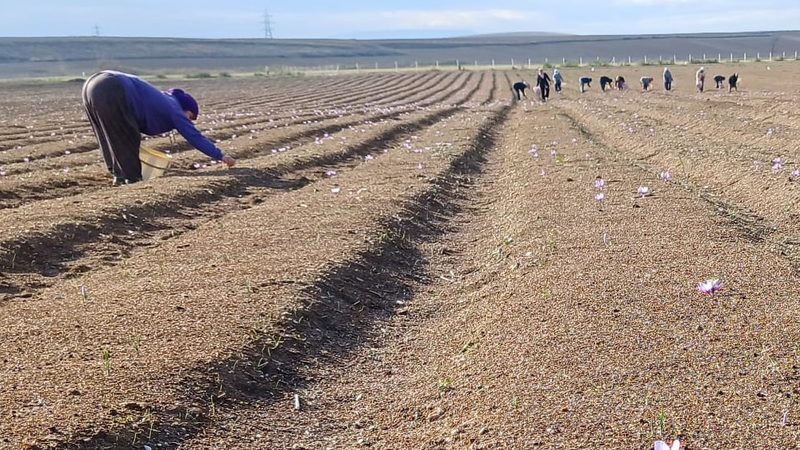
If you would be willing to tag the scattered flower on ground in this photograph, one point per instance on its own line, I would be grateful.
(661, 445)
(599, 182)
(600, 196)
(643, 190)
(665, 175)
(710, 286)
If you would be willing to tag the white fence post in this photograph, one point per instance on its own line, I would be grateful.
(580, 61)
(396, 68)
(745, 57)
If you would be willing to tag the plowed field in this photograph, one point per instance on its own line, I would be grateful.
(409, 260)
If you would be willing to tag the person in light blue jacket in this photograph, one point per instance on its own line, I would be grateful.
(558, 79)
(122, 106)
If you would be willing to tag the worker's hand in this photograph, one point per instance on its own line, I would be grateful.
(230, 162)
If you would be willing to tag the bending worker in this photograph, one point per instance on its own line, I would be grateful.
(121, 107)
(519, 89)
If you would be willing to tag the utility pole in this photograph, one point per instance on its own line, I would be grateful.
(97, 30)
(267, 25)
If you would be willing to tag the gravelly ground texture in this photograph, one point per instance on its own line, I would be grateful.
(409, 261)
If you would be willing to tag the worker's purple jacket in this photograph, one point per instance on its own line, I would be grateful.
(157, 113)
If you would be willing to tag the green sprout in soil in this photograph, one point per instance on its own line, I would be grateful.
(445, 385)
(106, 361)
(661, 422)
(467, 347)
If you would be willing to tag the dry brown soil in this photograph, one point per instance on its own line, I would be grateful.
(446, 288)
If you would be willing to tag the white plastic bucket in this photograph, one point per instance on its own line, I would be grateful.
(154, 162)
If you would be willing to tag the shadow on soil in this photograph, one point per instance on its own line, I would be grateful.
(341, 312)
(49, 254)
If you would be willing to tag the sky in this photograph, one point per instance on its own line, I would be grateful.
(386, 19)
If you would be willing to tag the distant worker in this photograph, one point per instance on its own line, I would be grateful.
(585, 82)
(733, 81)
(667, 79)
(620, 83)
(646, 82)
(700, 79)
(605, 82)
(719, 81)
(558, 79)
(121, 107)
(519, 89)
(543, 82)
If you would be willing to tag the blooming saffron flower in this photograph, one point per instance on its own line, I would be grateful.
(665, 176)
(336, 190)
(599, 182)
(575, 141)
(330, 173)
(643, 190)
(777, 164)
(710, 286)
(795, 173)
(369, 157)
(661, 445)
(600, 196)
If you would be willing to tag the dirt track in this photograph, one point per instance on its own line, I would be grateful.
(456, 292)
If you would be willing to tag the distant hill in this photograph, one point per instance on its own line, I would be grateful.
(59, 56)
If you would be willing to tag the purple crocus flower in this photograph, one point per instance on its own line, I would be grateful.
(599, 182)
(643, 190)
(600, 196)
(710, 286)
(777, 164)
(795, 173)
(665, 175)
(661, 445)
(336, 189)
(330, 173)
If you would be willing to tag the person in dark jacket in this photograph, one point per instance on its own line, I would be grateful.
(620, 83)
(732, 82)
(519, 89)
(605, 81)
(585, 82)
(667, 79)
(719, 81)
(543, 82)
(121, 107)
(646, 82)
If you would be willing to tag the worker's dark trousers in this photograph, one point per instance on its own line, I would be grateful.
(114, 125)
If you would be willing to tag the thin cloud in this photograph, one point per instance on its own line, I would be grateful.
(445, 19)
